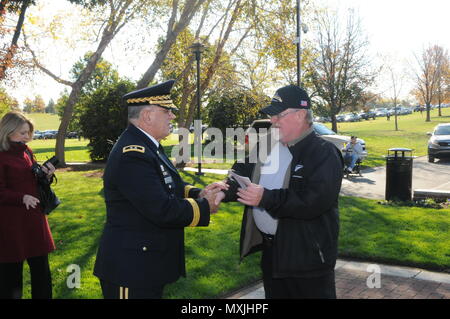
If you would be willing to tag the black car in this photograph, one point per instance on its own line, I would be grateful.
(72, 135)
(367, 115)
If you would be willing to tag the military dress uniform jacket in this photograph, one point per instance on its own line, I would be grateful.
(147, 208)
(306, 241)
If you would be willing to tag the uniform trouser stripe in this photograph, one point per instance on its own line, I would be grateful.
(123, 293)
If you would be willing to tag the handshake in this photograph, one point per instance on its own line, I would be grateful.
(250, 194)
(214, 195)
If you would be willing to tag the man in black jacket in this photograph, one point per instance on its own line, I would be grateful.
(291, 203)
(147, 204)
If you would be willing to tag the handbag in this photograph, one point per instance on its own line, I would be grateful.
(47, 197)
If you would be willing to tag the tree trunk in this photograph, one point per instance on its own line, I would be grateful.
(172, 33)
(149, 75)
(334, 123)
(395, 113)
(75, 93)
(23, 9)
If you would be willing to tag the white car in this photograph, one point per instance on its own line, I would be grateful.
(338, 140)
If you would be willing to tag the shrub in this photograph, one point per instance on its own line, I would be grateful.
(104, 118)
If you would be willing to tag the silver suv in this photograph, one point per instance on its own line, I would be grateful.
(439, 142)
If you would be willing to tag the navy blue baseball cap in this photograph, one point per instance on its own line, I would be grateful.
(287, 97)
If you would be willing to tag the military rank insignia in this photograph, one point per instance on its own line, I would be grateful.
(133, 148)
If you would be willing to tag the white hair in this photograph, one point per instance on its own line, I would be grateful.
(309, 116)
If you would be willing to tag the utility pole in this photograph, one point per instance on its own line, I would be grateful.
(299, 49)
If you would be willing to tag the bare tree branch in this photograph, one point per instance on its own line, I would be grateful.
(42, 68)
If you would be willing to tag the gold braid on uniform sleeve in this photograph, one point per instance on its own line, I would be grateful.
(187, 188)
(196, 212)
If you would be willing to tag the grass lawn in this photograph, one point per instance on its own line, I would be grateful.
(76, 151)
(407, 236)
(44, 121)
(410, 236)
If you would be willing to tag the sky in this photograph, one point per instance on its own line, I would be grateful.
(400, 29)
(396, 28)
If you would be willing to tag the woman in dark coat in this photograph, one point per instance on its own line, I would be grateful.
(24, 230)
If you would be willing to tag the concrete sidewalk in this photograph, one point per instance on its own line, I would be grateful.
(372, 183)
(355, 279)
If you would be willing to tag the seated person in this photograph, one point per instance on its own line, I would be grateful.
(353, 152)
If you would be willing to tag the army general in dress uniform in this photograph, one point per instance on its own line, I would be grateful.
(147, 204)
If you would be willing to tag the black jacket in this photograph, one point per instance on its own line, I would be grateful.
(306, 241)
(146, 206)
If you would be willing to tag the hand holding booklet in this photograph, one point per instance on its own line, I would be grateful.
(243, 181)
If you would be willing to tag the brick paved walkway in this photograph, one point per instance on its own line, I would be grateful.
(354, 278)
(352, 284)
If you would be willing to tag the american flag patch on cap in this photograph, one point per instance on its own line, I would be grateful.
(303, 103)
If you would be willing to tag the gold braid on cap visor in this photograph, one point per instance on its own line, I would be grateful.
(161, 99)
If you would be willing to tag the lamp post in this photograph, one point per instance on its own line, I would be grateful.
(299, 49)
(197, 48)
(300, 27)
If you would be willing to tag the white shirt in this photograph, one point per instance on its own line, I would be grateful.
(357, 148)
(273, 172)
(150, 137)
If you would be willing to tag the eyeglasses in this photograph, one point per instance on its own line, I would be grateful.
(281, 115)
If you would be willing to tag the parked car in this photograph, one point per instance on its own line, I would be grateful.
(72, 135)
(418, 108)
(49, 134)
(338, 140)
(352, 117)
(367, 115)
(381, 112)
(322, 119)
(37, 135)
(324, 132)
(439, 142)
(406, 110)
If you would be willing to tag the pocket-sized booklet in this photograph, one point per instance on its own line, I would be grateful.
(243, 181)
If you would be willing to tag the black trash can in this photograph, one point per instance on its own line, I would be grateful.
(399, 163)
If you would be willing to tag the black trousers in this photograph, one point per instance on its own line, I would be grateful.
(113, 291)
(322, 287)
(11, 279)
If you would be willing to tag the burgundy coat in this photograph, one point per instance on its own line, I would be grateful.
(23, 233)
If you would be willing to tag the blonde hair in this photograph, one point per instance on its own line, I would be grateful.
(9, 123)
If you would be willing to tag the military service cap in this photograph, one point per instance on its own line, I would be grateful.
(155, 95)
